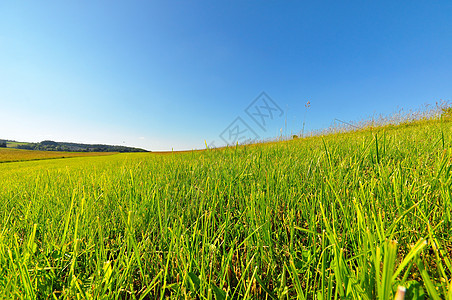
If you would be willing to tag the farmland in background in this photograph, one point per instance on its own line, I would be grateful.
(15, 155)
(15, 144)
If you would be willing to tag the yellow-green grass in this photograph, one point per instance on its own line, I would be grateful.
(344, 216)
(12, 155)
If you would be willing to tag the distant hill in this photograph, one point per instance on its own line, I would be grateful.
(68, 147)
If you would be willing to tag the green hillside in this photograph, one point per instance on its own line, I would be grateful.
(344, 216)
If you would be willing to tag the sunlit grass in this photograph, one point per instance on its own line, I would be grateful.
(350, 215)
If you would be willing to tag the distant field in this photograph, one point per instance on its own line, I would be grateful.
(12, 155)
(343, 216)
(14, 144)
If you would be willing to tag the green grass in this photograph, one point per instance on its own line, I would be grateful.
(350, 215)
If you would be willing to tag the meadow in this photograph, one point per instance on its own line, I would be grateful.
(341, 216)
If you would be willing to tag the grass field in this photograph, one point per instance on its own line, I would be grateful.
(349, 215)
(15, 155)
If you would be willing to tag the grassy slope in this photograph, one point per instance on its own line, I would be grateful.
(314, 217)
(14, 155)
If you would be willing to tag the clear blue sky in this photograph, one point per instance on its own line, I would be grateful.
(172, 74)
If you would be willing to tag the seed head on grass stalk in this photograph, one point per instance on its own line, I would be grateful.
(307, 106)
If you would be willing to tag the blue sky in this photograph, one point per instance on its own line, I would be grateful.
(174, 74)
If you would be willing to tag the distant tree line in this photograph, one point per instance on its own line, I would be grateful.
(3, 144)
(74, 147)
